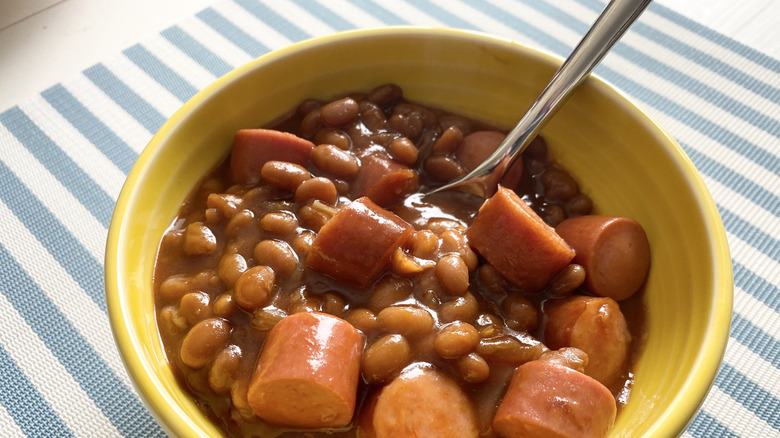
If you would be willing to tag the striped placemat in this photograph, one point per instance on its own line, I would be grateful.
(64, 155)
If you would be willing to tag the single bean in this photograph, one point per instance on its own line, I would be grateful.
(282, 223)
(463, 308)
(453, 274)
(340, 112)
(224, 369)
(409, 321)
(403, 150)
(335, 161)
(199, 240)
(473, 368)
(567, 281)
(443, 168)
(277, 255)
(362, 319)
(456, 339)
(254, 288)
(284, 175)
(522, 312)
(448, 141)
(230, 267)
(318, 188)
(194, 307)
(385, 358)
(385, 95)
(203, 341)
(390, 290)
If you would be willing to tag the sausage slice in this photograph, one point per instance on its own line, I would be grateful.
(358, 242)
(308, 371)
(421, 402)
(613, 250)
(517, 242)
(548, 400)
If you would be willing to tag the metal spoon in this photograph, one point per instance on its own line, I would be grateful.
(605, 32)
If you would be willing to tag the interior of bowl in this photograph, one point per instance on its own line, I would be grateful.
(625, 162)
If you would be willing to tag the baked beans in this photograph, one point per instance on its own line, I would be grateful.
(237, 263)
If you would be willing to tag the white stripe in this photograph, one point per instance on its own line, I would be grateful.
(542, 22)
(109, 112)
(753, 367)
(257, 29)
(734, 416)
(353, 14)
(179, 62)
(215, 42)
(8, 425)
(301, 17)
(50, 377)
(146, 86)
(411, 14)
(66, 208)
(87, 318)
(88, 157)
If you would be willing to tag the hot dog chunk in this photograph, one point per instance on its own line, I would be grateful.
(517, 242)
(594, 325)
(252, 148)
(548, 400)
(421, 402)
(613, 250)
(308, 371)
(358, 243)
(384, 180)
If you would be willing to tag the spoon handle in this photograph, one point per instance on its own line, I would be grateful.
(613, 22)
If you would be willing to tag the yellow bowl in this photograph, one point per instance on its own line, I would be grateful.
(623, 159)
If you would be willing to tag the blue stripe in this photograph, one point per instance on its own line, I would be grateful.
(328, 16)
(383, 14)
(59, 164)
(57, 240)
(161, 73)
(116, 150)
(197, 51)
(757, 340)
(705, 425)
(750, 395)
(230, 31)
(270, 17)
(125, 97)
(115, 400)
(25, 404)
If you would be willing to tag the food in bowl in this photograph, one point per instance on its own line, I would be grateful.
(307, 285)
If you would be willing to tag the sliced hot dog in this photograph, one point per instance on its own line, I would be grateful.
(358, 243)
(596, 326)
(613, 250)
(478, 145)
(517, 242)
(383, 179)
(252, 148)
(548, 400)
(421, 402)
(308, 371)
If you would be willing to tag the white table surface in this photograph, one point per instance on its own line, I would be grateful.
(43, 42)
